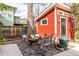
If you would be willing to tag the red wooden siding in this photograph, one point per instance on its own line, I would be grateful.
(48, 29)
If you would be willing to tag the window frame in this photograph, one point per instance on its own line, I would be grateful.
(61, 11)
(43, 20)
(67, 14)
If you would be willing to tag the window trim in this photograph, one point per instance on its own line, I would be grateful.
(44, 19)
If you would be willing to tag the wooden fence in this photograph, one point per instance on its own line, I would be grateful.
(12, 31)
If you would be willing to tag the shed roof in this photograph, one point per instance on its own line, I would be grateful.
(50, 7)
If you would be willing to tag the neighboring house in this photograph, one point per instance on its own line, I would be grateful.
(7, 14)
(54, 21)
(16, 20)
(20, 22)
(8, 20)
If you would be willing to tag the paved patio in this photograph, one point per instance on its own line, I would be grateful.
(71, 52)
(10, 50)
(13, 50)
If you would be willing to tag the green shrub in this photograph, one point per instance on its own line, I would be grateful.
(2, 39)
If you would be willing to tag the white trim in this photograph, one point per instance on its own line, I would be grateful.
(60, 24)
(49, 8)
(64, 5)
(44, 19)
(55, 20)
(55, 23)
(37, 27)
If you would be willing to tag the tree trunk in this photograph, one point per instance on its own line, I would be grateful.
(30, 22)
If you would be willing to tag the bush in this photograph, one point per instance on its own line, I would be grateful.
(72, 29)
(2, 39)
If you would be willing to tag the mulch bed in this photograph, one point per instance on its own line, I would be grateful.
(34, 50)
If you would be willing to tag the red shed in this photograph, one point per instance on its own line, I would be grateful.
(54, 21)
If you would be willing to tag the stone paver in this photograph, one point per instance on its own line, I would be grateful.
(71, 52)
(10, 50)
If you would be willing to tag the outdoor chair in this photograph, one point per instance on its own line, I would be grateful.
(34, 38)
(63, 43)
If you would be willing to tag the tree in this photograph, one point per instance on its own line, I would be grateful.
(2, 7)
(39, 7)
(2, 40)
(75, 13)
(72, 29)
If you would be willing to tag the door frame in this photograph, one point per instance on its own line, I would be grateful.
(60, 24)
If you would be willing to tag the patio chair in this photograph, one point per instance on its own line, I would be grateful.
(63, 43)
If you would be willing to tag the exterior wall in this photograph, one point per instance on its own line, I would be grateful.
(68, 34)
(16, 20)
(46, 29)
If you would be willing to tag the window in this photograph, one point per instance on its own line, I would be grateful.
(60, 12)
(67, 14)
(4, 13)
(63, 26)
(44, 21)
